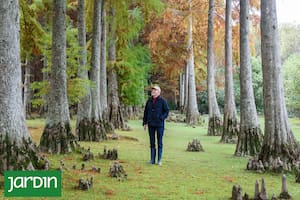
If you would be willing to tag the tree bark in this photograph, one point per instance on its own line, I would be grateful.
(181, 91)
(83, 123)
(186, 88)
(115, 112)
(44, 106)
(103, 73)
(215, 121)
(27, 95)
(57, 136)
(249, 140)
(17, 152)
(192, 114)
(279, 141)
(230, 123)
(98, 130)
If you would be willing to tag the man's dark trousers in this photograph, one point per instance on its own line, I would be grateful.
(159, 134)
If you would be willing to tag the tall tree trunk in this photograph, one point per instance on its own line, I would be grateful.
(249, 140)
(98, 129)
(181, 91)
(186, 88)
(115, 112)
(27, 95)
(84, 123)
(176, 99)
(279, 141)
(44, 106)
(192, 114)
(230, 123)
(103, 73)
(16, 150)
(57, 136)
(215, 121)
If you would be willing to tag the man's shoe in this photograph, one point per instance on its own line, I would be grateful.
(150, 162)
(159, 163)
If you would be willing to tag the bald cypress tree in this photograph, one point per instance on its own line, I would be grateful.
(215, 121)
(115, 113)
(16, 149)
(249, 139)
(84, 106)
(230, 123)
(57, 136)
(279, 141)
(192, 113)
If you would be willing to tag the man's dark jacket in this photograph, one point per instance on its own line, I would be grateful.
(156, 111)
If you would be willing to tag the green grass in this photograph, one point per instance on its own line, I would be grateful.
(184, 175)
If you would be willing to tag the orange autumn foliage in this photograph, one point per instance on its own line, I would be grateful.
(167, 37)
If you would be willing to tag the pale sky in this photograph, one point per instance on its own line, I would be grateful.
(288, 11)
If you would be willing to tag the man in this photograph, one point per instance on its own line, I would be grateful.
(155, 113)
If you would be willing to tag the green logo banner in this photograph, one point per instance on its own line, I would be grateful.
(32, 183)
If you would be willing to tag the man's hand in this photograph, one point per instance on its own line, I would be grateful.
(145, 126)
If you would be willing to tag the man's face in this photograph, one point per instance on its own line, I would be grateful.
(154, 92)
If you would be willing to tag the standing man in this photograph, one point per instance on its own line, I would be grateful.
(155, 113)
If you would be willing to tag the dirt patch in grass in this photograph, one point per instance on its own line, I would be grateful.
(199, 192)
(124, 137)
(228, 179)
(138, 169)
(36, 133)
(109, 193)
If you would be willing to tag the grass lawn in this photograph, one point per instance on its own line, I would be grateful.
(183, 175)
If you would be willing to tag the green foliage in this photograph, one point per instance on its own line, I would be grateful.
(237, 88)
(133, 59)
(132, 74)
(289, 40)
(76, 90)
(72, 52)
(31, 30)
(289, 43)
(150, 8)
(131, 16)
(89, 10)
(40, 88)
(257, 82)
(202, 99)
(75, 86)
(220, 92)
(128, 25)
(291, 77)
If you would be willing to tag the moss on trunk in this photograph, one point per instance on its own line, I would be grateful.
(214, 126)
(193, 118)
(93, 130)
(230, 130)
(285, 158)
(58, 139)
(249, 142)
(19, 155)
(116, 116)
(98, 132)
(281, 157)
(108, 126)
